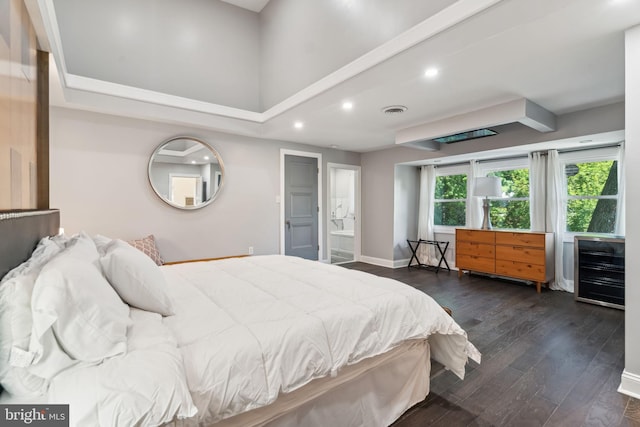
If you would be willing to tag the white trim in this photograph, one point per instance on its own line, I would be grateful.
(286, 152)
(381, 262)
(630, 384)
(462, 169)
(430, 27)
(377, 261)
(400, 263)
(448, 170)
(603, 154)
(500, 165)
(357, 243)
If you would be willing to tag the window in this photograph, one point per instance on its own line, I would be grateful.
(512, 210)
(450, 204)
(592, 196)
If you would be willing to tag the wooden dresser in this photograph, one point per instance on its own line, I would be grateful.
(516, 254)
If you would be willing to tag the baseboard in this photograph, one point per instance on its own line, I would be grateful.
(400, 263)
(384, 262)
(630, 384)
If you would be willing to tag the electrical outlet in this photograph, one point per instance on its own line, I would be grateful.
(250, 250)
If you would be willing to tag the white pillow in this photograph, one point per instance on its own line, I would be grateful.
(136, 278)
(16, 322)
(15, 334)
(101, 243)
(72, 299)
(145, 387)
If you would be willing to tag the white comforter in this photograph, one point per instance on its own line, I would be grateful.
(251, 328)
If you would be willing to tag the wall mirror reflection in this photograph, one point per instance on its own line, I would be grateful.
(186, 172)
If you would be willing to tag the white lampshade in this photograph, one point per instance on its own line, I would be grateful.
(487, 186)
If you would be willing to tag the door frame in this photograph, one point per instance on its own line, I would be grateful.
(357, 226)
(286, 152)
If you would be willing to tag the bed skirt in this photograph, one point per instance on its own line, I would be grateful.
(374, 392)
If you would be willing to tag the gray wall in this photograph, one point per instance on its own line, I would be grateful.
(301, 41)
(379, 172)
(99, 181)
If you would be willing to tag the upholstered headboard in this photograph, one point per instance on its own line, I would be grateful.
(20, 232)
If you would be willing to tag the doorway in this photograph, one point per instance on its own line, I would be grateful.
(301, 204)
(185, 190)
(343, 230)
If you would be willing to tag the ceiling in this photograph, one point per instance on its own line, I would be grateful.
(253, 5)
(562, 55)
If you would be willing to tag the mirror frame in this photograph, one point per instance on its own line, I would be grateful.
(169, 202)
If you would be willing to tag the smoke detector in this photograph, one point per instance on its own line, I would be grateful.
(394, 109)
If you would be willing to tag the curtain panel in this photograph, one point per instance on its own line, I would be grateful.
(426, 214)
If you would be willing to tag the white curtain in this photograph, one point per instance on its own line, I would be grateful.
(620, 216)
(474, 204)
(426, 253)
(556, 212)
(537, 191)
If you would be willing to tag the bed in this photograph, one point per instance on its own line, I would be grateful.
(264, 340)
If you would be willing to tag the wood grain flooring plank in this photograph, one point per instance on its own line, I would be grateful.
(632, 409)
(607, 409)
(515, 399)
(574, 408)
(493, 390)
(535, 414)
(547, 359)
(628, 422)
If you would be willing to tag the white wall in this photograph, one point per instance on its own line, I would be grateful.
(302, 41)
(99, 181)
(406, 197)
(378, 171)
(631, 376)
(166, 46)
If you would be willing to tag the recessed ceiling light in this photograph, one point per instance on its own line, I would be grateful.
(298, 125)
(431, 72)
(347, 105)
(206, 157)
(333, 146)
(193, 162)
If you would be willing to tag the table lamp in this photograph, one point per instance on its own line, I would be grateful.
(487, 186)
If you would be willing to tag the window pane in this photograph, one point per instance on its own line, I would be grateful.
(511, 214)
(451, 187)
(450, 213)
(515, 183)
(591, 215)
(592, 179)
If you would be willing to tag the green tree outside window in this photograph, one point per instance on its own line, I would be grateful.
(451, 200)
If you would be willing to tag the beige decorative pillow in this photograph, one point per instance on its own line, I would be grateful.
(148, 246)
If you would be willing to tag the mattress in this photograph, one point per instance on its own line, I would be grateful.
(267, 340)
(252, 329)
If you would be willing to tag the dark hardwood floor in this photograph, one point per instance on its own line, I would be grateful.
(546, 359)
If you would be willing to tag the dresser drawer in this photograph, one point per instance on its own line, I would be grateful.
(521, 270)
(478, 236)
(520, 254)
(520, 239)
(472, 248)
(475, 263)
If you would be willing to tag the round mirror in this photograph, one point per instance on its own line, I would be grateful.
(186, 172)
